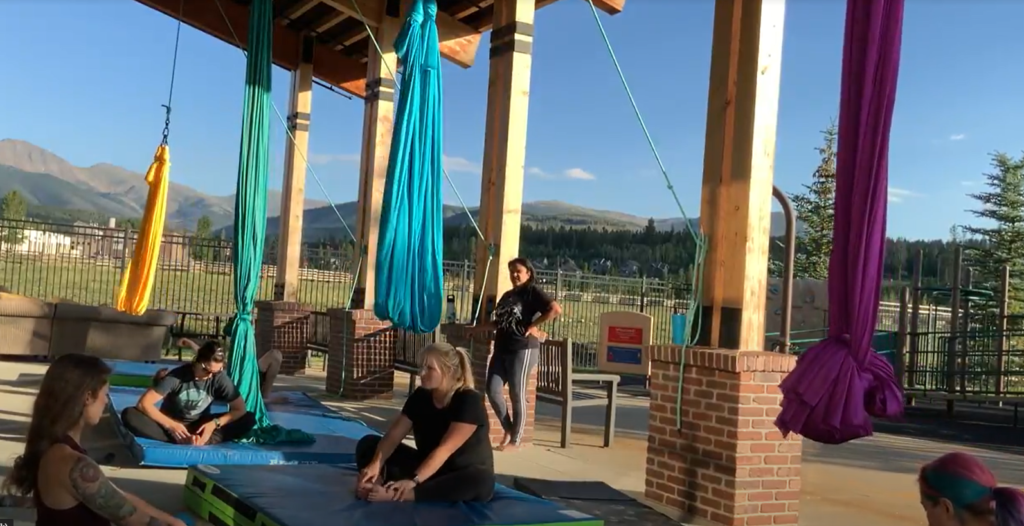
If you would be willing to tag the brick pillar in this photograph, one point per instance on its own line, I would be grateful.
(728, 464)
(482, 346)
(284, 326)
(361, 349)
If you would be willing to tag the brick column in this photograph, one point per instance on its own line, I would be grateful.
(728, 464)
(283, 326)
(361, 349)
(482, 346)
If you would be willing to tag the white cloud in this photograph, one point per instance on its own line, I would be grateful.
(572, 173)
(579, 173)
(898, 195)
(459, 164)
(325, 158)
(968, 183)
(958, 137)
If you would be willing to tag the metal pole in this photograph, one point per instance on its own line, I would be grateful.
(1004, 307)
(787, 266)
(915, 317)
(965, 342)
(901, 339)
(954, 326)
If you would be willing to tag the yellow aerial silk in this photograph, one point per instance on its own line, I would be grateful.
(137, 281)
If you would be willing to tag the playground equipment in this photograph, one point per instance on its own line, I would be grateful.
(947, 358)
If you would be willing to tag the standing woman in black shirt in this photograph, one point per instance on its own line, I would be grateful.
(517, 319)
(452, 460)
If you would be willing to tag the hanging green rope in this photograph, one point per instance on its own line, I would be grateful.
(251, 222)
(693, 317)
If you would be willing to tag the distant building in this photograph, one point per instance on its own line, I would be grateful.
(630, 269)
(569, 266)
(601, 266)
(40, 243)
(94, 241)
(658, 271)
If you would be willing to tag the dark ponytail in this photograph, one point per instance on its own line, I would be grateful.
(1009, 506)
(971, 488)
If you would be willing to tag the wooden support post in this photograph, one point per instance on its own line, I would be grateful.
(378, 124)
(293, 195)
(501, 190)
(739, 155)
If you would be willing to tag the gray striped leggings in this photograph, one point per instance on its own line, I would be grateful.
(512, 368)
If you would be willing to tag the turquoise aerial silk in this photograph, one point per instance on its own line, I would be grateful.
(251, 222)
(409, 247)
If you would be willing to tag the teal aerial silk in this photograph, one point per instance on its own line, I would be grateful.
(250, 224)
(409, 278)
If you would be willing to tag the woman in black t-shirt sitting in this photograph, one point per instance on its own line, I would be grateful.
(452, 460)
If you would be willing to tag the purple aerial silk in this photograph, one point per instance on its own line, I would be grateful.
(840, 383)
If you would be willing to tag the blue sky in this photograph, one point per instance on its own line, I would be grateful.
(86, 80)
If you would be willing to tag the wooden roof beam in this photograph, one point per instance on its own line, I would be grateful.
(459, 42)
(612, 7)
(328, 66)
(298, 10)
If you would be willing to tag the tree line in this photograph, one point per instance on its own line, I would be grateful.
(669, 254)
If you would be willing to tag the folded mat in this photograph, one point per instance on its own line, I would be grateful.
(137, 374)
(336, 436)
(322, 495)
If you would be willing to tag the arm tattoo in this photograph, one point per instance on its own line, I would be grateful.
(99, 494)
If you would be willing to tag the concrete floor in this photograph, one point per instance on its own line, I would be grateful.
(870, 479)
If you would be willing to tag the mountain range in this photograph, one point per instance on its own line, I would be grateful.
(46, 179)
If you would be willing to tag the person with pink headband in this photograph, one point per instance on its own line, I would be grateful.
(957, 489)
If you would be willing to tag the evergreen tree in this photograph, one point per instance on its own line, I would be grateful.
(1001, 241)
(13, 207)
(202, 250)
(815, 208)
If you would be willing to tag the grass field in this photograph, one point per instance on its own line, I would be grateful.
(90, 282)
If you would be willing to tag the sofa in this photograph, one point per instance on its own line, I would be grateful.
(31, 327)
(26, 326)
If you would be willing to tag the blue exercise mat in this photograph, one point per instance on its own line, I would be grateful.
(129, 368)
(322, 495)
(336, 436)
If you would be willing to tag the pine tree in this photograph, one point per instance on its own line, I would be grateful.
(815, 209)
(203, 250)
(1001, 242)
(13, 207)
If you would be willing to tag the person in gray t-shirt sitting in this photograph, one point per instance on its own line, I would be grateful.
(177, 408)
(269, 364)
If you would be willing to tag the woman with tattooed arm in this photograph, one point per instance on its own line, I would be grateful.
(68, 487)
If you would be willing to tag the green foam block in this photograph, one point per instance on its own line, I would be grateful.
(218, 505)
(131, 380)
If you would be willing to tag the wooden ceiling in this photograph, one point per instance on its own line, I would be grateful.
(342, 43)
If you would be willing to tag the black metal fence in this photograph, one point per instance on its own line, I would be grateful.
(84, 264)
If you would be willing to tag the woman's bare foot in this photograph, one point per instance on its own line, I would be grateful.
(363, 491)
(509, 447)
(506, 440)
(378, 494)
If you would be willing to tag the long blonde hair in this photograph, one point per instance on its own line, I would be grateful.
(455, 365)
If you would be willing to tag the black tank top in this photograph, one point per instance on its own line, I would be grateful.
(79, 514)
